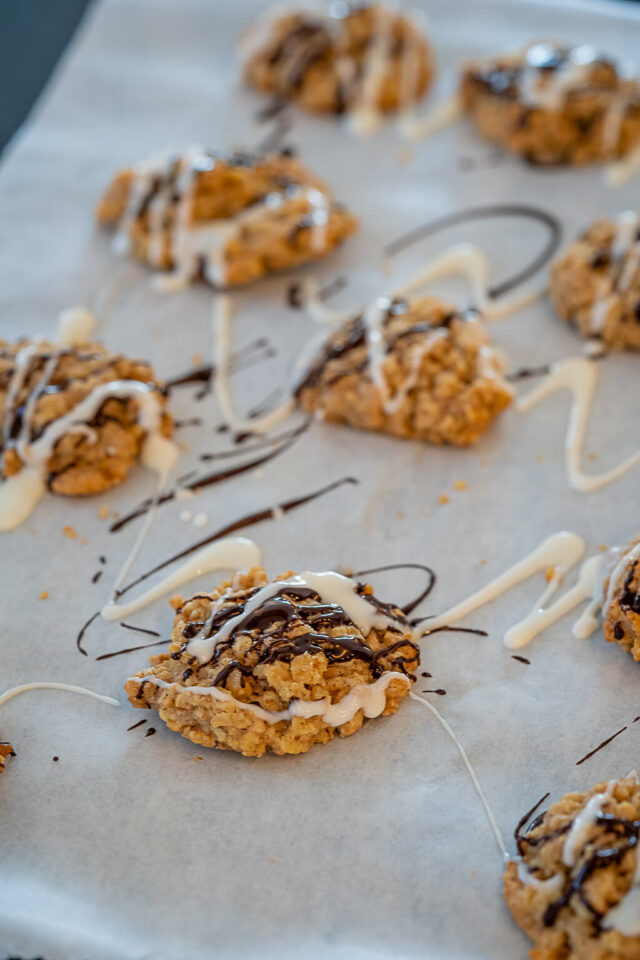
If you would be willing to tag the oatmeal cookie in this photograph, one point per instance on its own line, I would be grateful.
(431, 376)
(621, 609)
(554, 104)
(595, 285)
(345, 58)
(6, 751)
(227, 220)
(281, 665)
(78, 413)
(575, 887)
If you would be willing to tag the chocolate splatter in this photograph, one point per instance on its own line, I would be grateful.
(600, 746)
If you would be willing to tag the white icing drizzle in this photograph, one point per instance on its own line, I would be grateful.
(365, 116)
(617, 280)
(552, 884)
(222, 317)
(443, 115)
(75, 326)
(232, 553)
(192, 246)
(368, 697)
(625, 916)
(331, 587)
(52, 685)
(583, 823)
(578, 375)
(561, 551)
(474, 779)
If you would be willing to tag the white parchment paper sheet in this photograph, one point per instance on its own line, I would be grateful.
(375, 846)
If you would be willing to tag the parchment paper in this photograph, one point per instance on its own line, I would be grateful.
(375, 846)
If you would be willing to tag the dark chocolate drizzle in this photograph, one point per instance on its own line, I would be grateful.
(139, 723)
(266, 514)
(210, 479)
(407, 608)
(293, 607)
(600, 746)
(489, 212)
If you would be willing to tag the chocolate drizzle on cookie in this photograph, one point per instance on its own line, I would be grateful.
(272, 628)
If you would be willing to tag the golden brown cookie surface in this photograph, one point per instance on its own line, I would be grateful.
(574, 889)
(44, 385)
(437, 378)
(340, 59)
(257, 666)
(595, 285)
(554, 104)
(226, 219)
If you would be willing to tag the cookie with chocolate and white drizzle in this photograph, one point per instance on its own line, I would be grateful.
(412, 368)
(555, 104)
(575, 886)
(621, 608)
(6, 751)
(277, 666)
(74, 420)
(595, 285)
(225, 219)
(343, 58)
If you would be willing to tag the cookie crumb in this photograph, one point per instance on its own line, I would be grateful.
(200, 520)
(6, 751)
(443, 498)
(549, 574)
(70, 533)
(460, 485)
(44, 595)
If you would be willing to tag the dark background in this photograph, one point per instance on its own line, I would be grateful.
(33, 35)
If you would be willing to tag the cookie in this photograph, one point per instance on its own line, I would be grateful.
(74, 419)
(575, 887)
(555, 104)
(411, 368)
(6, 751)
(347, 58)
(595, 285)
(227, 220)
(281, 665)
(621, 609)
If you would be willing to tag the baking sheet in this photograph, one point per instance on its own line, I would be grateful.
(375, 846)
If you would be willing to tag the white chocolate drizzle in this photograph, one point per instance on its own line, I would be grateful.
(579, 375)
(621, 271)
(368, 697)
(232, 553)
(583, 823)
(52, 685)
(561, 551)
(495, 830)
(222, 318)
